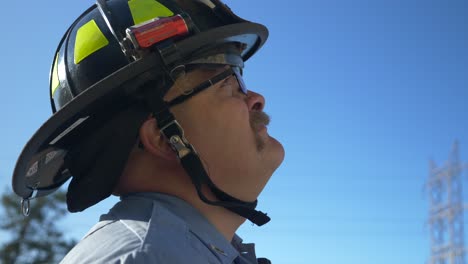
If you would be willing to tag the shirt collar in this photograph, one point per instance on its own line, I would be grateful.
(198, 225)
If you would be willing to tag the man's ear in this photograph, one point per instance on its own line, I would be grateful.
(154, 142)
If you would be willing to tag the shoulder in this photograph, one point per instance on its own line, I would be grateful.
(107, 240)
(154, 236)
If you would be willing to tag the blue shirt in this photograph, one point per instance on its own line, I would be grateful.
(157, 228)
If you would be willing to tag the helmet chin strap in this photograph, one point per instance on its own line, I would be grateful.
(192, 164)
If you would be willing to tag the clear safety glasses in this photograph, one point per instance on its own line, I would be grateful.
(208, 83)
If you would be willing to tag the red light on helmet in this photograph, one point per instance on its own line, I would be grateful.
(156, 30)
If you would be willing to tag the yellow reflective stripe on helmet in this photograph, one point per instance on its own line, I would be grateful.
(55, 79)
(144, 10)
(89, 39)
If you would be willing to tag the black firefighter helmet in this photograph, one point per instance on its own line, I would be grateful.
(116, 54)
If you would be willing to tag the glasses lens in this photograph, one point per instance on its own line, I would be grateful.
(240, 80)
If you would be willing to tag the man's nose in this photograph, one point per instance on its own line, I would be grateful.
(255, 101)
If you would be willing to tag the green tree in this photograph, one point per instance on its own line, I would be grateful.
(37, 237)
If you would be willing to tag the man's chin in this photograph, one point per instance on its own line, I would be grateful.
(275, 151)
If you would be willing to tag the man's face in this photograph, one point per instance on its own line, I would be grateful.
(228, 130)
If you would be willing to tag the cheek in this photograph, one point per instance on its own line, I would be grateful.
(232, 121)
(223, 130)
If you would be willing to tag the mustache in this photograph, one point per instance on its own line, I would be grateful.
(259, 119)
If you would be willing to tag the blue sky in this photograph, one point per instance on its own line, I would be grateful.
(361, 94)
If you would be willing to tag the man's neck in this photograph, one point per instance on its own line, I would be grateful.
(225, 221)
(176, 182)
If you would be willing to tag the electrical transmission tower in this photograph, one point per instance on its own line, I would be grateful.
(446, 211)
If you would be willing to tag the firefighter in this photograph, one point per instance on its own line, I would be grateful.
(150, 105)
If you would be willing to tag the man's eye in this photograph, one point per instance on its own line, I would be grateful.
(227, 82)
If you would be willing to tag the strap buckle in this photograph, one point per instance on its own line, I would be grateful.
(175, 134)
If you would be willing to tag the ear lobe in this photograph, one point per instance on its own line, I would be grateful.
(154, 142)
